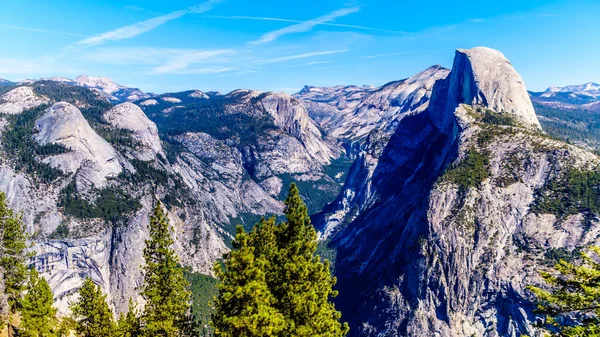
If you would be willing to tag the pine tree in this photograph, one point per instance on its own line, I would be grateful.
(304, 285)
(165, 288)
(572, 303)
(12, 252)
(38, 317)
(91, 312)
(13, 271)
(245, 307)
(129, 324)
(275, 283)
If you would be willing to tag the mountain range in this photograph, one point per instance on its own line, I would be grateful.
(439, 197)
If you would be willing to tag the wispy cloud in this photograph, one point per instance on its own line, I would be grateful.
(317, 23)
(296, 57)
(310, 64)
(33, 67)
(305, 26)
(242, 72)
(181, 63)
(381, 55)
(201, 70)
(141, 9)
(165, 60)
(37, 30)
(142, 27)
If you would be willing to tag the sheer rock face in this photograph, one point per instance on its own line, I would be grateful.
(483, 76)
(291, 116)
(64, 262)
(92, 157)
(417, 254)
(129, 116)
(19, 99)
(299, 148)
(353, 112)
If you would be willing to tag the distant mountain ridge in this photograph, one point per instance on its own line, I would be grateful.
(102, 85)
(352, 112)
(589, 88)
(585, 97)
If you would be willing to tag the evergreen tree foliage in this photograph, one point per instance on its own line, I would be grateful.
(66, 326)
(572, 303)
(13, 241)
(129, 323)
(165, 288)
(13, 272)
(245, 306)
(91, 312)
(273, 283)
(38, 316)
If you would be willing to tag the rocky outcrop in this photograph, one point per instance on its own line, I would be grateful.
(483, 76)
(421, 250)
(88, 154)
(66, 263)
(216, 172)
(109, 89)
(149, 102)
(19, 99)
(129, 116)
(291, 116)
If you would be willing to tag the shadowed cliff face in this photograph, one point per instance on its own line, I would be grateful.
(378, 250)
(434, 230)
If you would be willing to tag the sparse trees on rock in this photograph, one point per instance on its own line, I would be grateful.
(572, 301)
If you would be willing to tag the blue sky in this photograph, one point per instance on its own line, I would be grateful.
(162, 46)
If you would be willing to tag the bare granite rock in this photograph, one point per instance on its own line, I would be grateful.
(129, 116)
(92, 157)
(19, 99)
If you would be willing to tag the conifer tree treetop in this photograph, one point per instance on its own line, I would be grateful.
(38, 316)
(165, 288)
(273, 283)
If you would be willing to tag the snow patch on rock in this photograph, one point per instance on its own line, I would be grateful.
(171, 99)
(149, 102)
(199, 94)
